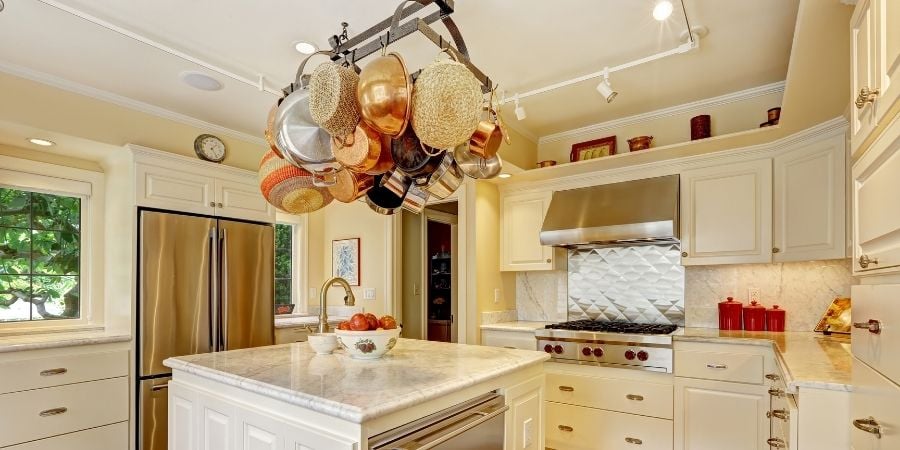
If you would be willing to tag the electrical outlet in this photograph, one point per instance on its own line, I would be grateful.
(496, 295)
(527, 433)
(369, 294)
(753, 294)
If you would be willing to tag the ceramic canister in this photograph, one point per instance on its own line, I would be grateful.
(755, 317)
(730, 314)
(775, 318)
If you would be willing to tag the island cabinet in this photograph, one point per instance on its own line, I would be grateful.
(521, 218)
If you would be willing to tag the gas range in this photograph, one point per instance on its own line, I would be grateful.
(617, 344)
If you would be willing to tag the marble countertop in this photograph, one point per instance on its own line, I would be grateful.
(520, 325)
(357, 390)
(301, 321)
(809, 360)
(22, 342)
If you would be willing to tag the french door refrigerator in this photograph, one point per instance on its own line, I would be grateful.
(205, 285)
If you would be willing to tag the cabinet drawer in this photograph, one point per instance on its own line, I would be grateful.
(110, 437)
(878, 350)
(572, 427)
(58, 370)
(290, 335)
(733, 367)
(509, 339)
(87, 405)
(629, 396)
(877, 397)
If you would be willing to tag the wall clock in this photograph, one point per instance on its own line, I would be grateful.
(209, 148)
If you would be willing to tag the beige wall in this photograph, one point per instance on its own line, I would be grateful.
(520, 151)
(411, 264)
(51, 158)
(487, 257)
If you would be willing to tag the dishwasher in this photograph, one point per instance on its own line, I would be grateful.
(478, 424)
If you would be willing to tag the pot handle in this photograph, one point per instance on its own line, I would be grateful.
(298, 82)
(425, 149)
(448, 23)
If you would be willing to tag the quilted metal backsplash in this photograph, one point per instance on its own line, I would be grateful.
(643, 284)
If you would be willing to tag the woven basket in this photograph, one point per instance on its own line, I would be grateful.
(288, 187)
(332, 98)
(446, 104)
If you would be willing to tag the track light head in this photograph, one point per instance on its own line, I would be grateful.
(605, 89)
(520, 110)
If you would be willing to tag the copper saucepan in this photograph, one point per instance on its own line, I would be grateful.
(363, 151)
(350, 186)
(486, 140)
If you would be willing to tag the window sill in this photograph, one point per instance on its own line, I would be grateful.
(48, 329)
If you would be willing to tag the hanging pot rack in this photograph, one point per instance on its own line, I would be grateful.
(350, 50)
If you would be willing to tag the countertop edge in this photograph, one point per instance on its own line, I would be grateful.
(65, 340)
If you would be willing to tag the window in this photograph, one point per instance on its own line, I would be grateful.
(40, 256)
(284, 264)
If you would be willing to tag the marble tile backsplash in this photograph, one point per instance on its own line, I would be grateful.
(541, 296)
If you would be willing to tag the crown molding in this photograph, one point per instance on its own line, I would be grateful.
(125, 102)
(733, 97)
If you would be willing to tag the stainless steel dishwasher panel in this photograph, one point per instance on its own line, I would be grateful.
(478, 424)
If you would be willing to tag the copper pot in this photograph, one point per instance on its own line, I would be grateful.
(350, 186)
(363, 151)
(485, 142)
(546, 163)
(639, 143)
(774, 114)
(384, 94)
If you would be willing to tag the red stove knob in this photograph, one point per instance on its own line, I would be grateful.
(586, 351)
(548, 348)
(598, 352)
(558, 349)
(629, 354)
(643, 356)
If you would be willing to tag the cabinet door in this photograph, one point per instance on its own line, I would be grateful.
(520, 244)
(863, 71)
(874, 398)
(159, 187)
(887, 46)
(876, 220)
(714, 415)
(524, 421)
(809, 203)
(217, 424)
(726, 214)
(242, 200)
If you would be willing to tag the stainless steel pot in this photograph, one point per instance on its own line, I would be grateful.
(475, 166)
(415, 199)
(381, 200)
(445, 180)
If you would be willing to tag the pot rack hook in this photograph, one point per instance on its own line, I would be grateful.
(2, 5)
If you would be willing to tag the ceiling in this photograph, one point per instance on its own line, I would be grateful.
(522, 44)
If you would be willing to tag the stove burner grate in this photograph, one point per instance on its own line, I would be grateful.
(614, 327)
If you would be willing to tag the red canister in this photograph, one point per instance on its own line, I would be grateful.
(775, 318)
(730, 314)
(755, 317)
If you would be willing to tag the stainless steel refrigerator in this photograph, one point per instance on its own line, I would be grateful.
(205, 285)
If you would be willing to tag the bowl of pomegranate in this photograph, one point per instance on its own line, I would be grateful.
(366, 336)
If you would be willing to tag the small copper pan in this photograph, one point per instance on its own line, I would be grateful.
(488, 136)
(350, 186)
(362, 151)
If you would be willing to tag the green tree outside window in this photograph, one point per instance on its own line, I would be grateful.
(284, 245)
(40, 256)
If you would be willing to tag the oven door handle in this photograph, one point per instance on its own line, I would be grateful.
(441, 438)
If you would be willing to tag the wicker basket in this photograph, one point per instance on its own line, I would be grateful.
(446, 104)
(288, 187)
(332, 98)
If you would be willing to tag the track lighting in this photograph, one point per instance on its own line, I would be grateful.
(520, 110)
(605, 89)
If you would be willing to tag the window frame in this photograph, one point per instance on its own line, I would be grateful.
(299, 259)
(40, 177)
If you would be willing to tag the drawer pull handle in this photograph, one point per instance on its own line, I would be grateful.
(634, 441)
(509, 347)
(159, 387)
(775, 392)
(53, 412)
(635, 397)
(51, 372)
(773, 377)
(717, 366)
(864, 261)
(874, 326)
(866, 95)
(779, 414)
(869, 425)
(776, 442)
(567, 388)
(565, 428)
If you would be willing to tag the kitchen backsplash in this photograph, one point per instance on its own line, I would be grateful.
(804, 289)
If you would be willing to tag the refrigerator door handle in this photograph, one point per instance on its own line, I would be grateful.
(223, 290)
(213, 290)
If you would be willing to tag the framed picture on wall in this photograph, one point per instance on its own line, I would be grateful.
(345, 260)
(597, 148)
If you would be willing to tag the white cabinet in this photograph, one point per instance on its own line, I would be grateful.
(863, 71)
(873, 407)
(809, 213)
(242, 200)
(109, 437)
(292, 334)
(720, 415)
(524, 418)
(727, 214)
(523, 339)
(876, 220)
(171, 189)
(521, 218)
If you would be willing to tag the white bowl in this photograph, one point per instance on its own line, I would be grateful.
(323, 343)
(367, 344)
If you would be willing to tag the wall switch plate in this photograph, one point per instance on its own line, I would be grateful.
(369, 294)
(753, 294)
(496, 295)
(527, 433)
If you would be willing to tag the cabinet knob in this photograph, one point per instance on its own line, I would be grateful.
(219, 205)
(776, 442)
(778, 414)
(869, 425)
(773, 376)
(874, 326)
(549, 260)
(684, 254)
(866, 95)
(565, 428)
(864, 261)
(775, 249)
(775, 392)
(212, 204)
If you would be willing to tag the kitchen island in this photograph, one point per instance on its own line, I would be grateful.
(286, 396)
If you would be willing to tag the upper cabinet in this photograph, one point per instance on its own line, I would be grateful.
(876, 218)
(875, 34)
(183, 184)
(726, 214)
(521, 218)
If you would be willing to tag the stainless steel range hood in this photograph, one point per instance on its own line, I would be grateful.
(639, 212)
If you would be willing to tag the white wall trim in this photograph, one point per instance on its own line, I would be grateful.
(698, 105)
(125, 102)
(147, 155)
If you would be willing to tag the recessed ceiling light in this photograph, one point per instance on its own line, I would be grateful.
(662, 10)
(41, 142)
(307, 48)
(200, 81)
(504, 175)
